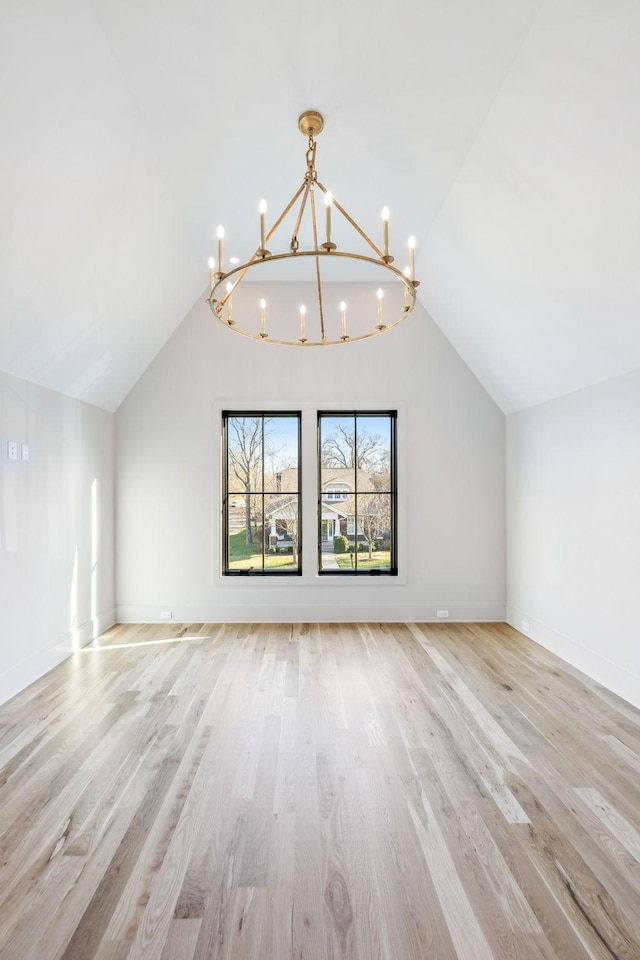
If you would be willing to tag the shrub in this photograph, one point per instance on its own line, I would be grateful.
(340, 544)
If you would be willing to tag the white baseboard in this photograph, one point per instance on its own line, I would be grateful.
(314, 613)
(18, 676)
(610, 675)
(104, 621)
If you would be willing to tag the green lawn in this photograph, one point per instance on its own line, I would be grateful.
(380, 558)
(239, 549)
(243, 555)
(271, 561)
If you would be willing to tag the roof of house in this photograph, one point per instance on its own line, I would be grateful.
(277, 510)
(328, 475)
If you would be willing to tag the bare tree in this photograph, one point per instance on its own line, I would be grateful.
(245, 443)
(347, 448)
(374, 517)
(288, 513)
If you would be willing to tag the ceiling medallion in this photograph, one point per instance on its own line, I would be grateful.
(330, 323)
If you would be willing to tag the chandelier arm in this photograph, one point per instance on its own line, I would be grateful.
(352, 222)
(285, 211)
(317, 259)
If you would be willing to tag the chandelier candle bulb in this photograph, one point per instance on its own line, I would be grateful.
(343, 320)
(303, 311)
(212, 273)
(412, 258)
(328, 199)
(220, 233)
(263, 318)
(263, 224)
(380, 295)
(407, 273)
(385, 231)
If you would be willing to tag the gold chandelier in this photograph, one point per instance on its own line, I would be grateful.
(330, 325)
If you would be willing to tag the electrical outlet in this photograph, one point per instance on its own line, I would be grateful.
(12, 450)
(442, 614)
(165, 614)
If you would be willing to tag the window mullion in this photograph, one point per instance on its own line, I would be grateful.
(355, 486)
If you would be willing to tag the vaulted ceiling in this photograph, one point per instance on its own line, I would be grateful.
(505, 134)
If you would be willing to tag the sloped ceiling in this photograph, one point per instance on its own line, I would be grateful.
(505, 134)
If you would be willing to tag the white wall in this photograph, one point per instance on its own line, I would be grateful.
(56, 529)
(573, 495)
(451, 434)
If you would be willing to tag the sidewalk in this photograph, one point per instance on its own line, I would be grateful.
(329, 561)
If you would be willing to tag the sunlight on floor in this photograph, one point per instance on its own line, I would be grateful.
(142, 643)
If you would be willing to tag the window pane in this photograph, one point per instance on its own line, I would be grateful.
(282, 532)
(244, 458)
(374, 449)
(245, 532)
(337, 455)
(281, 455)
(372, 542)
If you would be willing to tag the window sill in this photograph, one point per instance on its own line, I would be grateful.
(340, 581)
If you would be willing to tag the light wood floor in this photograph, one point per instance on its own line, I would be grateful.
(316, 792)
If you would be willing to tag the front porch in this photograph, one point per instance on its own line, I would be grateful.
(329, 530)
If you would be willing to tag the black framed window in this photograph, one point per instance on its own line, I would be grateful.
(261, 493)
(357, 459)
